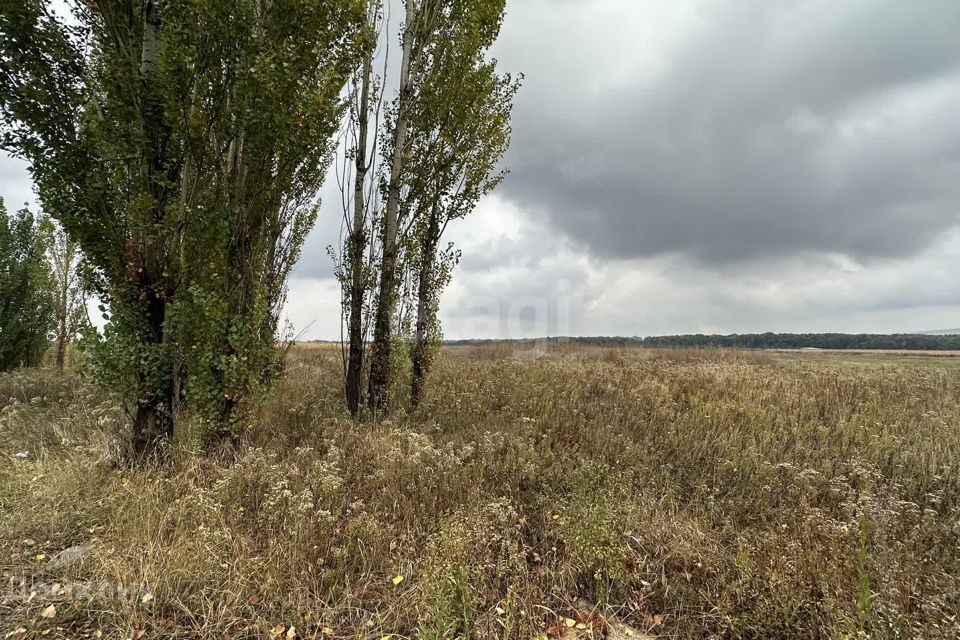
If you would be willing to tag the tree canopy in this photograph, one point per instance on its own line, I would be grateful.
(26, 286)
(181, 145)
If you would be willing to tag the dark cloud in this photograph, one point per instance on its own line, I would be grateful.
(765, 128)
(694, 166)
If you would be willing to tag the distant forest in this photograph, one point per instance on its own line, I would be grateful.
(949, 342)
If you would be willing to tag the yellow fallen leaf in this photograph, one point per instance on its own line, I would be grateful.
(397, 579)
(41, 557)
(570, 622)
(277, 630)
(49, 612)
(292, 632)
(98, 634)
(327, 630)
(581, 626)
(146, 598)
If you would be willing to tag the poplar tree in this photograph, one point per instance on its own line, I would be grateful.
(446, 131)
(259, 92)
(360, 200)
(419, 32)
(180, 144)
(83, 102)
(68, 297)
(25, 288)
(460, 130)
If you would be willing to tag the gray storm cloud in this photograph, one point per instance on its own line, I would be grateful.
(700, 166)
(770, 128)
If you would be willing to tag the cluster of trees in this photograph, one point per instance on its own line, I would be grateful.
(25, 307)
(412, 166)
(181, 144)
(40, 295)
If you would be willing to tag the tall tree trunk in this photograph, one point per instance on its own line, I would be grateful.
(153, 422)
(386, 297)
(61, 346)
(358, 243)
(426, 290)
(62, 311)
(382, 335)
(239, 287)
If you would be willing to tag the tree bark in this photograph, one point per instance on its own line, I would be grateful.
(153, 421)
(239, 288)
(61, 347)
(64, 273)
(378, 397)
(358, 245)
(62, 309)
(386, 297)
(426, 290)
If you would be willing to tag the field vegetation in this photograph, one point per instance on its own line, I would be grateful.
(681, 493)
(174, 472)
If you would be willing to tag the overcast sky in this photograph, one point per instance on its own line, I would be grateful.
(705, 166)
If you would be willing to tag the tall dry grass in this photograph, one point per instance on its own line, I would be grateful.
(690, 494)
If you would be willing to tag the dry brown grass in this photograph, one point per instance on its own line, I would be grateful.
(926, 353)
(688, 493)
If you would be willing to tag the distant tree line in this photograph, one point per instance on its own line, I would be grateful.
(810, 341)
(909, 341)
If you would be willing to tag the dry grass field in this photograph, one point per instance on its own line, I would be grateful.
(684, 494)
